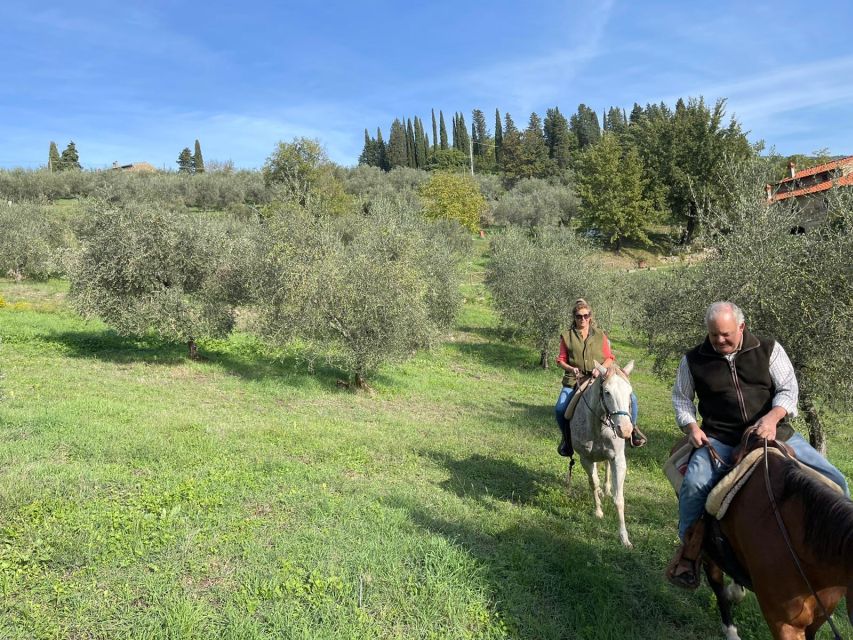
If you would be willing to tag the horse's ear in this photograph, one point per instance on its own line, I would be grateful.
(601, 369)
(628, 368)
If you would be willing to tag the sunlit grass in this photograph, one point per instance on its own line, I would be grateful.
(146, 496)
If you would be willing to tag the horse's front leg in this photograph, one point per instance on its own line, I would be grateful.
(620, 468)
(608, 480)
(592, 472)
(724, 602)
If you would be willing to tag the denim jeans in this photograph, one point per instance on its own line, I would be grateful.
(703, 473)
(565, 397)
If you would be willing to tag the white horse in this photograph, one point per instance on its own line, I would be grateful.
(600, 426)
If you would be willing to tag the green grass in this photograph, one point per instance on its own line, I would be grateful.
(146, 496)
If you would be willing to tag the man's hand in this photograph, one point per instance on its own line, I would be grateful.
(697, 436)
(766, 425)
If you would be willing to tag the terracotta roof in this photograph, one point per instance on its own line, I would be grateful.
(815, 188)
(826, 166)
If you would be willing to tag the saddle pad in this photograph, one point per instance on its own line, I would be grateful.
(570, 410)
(721, 496)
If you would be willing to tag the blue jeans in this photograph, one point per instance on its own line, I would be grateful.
(565, 397)
(703, 473)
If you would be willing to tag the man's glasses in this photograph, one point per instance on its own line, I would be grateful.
(581, 316)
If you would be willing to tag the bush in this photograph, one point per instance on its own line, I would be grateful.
(453, 196)
(362, 290)
(147, 268)
(535, 202)
(535, 279)
(30, 242)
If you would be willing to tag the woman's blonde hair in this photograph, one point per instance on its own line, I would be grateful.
(580, 303)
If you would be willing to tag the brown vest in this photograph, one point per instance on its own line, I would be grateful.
(581, 353)
(734, 395)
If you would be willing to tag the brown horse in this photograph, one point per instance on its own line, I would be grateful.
(819, 525)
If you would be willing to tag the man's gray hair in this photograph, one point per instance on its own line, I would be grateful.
(724, 306)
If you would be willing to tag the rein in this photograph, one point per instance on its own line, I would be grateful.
(790, 546)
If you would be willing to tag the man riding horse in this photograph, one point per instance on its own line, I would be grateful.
(740, 380)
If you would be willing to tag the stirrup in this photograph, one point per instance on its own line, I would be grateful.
(687, 579)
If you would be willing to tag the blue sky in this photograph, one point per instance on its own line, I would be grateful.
(139, 81)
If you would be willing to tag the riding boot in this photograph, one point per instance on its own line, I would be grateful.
(565, 447)
(683, 570)
(637, 438)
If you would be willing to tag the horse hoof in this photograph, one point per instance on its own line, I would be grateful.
(599, 514)
(731, 632)
(627, 544)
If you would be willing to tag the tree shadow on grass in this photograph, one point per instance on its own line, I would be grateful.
(248, 360)
(547, 581)
(481, 477)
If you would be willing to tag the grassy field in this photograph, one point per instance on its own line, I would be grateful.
(146, 496)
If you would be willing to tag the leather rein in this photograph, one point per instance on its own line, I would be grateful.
(787, 539)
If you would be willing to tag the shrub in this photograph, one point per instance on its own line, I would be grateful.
(362, 290)
(453, 196)
(535, 278)
(535, 202)
(147, 268)
(30, 241)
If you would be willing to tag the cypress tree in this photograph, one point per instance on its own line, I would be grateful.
(397, 145)
(368, 153)
(434, 134)
(185, 161)
(54, 163)
(558, 138)
(442, 130)
(418, 144)
(410, 143)
(69, 158)
(584, 124)
(479, 133)
(499, 138)
(461, 131)
(534, 151)
(381, 151)
(198, 160)
(511, 157)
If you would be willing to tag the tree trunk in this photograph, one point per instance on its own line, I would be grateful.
(817, 438)
(193, 349)
(691, 225)
(543, 358)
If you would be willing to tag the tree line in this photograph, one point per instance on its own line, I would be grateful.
(656, 164)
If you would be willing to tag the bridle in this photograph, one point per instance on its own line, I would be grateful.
(606, 414)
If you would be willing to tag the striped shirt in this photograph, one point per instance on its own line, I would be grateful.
(781, 373)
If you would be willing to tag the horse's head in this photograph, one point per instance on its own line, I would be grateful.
(616, 396)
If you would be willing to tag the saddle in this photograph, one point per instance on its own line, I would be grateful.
(583, 384)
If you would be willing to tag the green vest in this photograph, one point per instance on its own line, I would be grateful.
(581, 353)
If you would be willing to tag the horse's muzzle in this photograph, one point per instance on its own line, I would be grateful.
(625, 428)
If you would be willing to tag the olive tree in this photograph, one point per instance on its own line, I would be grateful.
(795, 288)
(534, 202)
(363, 290)
(30, 242)
(535, 277)
(147, 268)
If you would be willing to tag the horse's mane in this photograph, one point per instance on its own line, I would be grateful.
(828, 514)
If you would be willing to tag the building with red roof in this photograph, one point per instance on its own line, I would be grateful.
(807, 189)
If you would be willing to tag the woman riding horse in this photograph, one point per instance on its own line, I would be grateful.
(580, 347)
